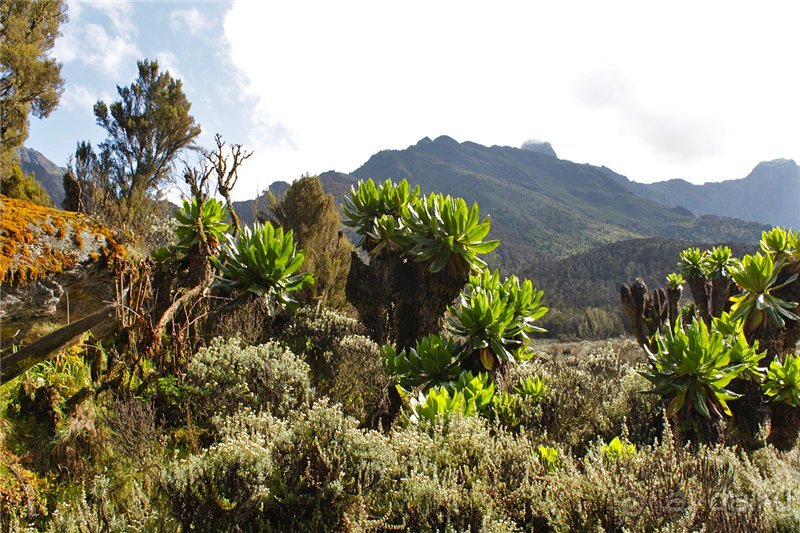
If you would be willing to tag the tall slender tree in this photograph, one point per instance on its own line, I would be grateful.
(146, 129)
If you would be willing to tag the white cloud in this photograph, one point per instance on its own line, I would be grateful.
(190, 20)
(120, 14)
(687, 90)
(106, 50)
(168, 62)
(82, 99)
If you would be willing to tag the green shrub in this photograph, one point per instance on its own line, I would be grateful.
(313, 471)
(228, 375)
(327, 470)
(448, 467)
(225, 487)
(107, 505)
(359, 381)
(661, 488)
(312, 332)
(597, 395)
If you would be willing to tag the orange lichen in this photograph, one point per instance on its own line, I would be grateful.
(30, 251)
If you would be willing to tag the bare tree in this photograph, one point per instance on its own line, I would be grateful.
(227, 172)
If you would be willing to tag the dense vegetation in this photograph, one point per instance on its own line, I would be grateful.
(272, 377)
(297, 418)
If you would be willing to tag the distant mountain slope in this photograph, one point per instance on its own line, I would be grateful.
(47, 173)
(540, 203)
(593, 278)
(769, 194)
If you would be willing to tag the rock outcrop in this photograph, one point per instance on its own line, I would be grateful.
(54, 266)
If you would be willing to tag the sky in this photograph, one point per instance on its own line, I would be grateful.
(696, 90)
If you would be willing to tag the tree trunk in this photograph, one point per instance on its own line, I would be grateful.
(784, 435)
(15, 364)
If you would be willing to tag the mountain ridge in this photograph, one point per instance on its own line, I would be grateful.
(769, 194)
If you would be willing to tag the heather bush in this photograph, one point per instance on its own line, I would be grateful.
(228, 375)
(591, 396)
(327, 471)
(345, 364)
(456, 472)
(359, 380)
(223, 488)
(313, 332)
(109, 508)
(315, 470)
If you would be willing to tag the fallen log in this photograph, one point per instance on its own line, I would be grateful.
(41, 349)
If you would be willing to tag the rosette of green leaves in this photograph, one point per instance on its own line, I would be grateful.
(477, 389)
(780, 244)
(527, 304)
(487, 321)
(496, 317)
(433, 361)
(264, 261)
(718, 261)
(783, 380)
(367, 207)
(212, 216)
(693, 367)
(444, 231)
(675, 280)
(388, 234)
(440, 401)
(533, 388)
(757, 275)
(741, 352)
(550, 458)
(617, 450)
(693, 263)
(505, 408)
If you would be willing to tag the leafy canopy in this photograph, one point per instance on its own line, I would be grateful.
(146, 129)
(30, 80)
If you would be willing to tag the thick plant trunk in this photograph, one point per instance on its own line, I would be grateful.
(368, 293)
(673, 300)
(400, 300)
(752, 418)
(720, 292)
(647, 311)
(697, 429)
(701, 294)
(786, 430)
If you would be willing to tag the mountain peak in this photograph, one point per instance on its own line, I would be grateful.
(777, 171)
(541, 147)
(444, 139)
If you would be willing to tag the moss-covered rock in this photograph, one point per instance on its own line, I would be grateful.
(54, 264)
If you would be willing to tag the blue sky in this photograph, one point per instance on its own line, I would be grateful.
(701, 91)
